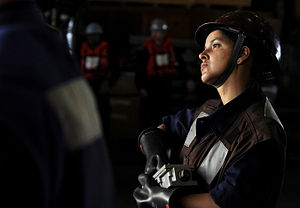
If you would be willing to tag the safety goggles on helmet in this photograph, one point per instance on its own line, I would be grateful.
(158, 25)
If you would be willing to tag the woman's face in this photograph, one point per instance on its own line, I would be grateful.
(215, 57)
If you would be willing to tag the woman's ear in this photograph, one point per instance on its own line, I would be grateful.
(244, 55)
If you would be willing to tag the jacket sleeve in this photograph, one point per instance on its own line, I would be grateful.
(179, 124)
(87, 180)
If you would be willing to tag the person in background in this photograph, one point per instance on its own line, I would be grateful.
(96, 67)
(236, 144)
(159, 66)
(53, 152)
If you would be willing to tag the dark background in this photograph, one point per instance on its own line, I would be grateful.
(126, 26)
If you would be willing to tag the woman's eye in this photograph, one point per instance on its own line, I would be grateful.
(216, 45)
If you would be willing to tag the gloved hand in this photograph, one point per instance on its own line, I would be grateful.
(152, 195)
(152, 143)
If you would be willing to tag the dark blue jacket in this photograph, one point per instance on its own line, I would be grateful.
(52, 152)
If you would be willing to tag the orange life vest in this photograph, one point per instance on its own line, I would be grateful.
(94, 63)
(161, 58)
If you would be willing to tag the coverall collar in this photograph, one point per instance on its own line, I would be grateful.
(225, 115)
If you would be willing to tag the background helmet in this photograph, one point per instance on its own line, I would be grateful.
(158, 25)
(259, 36)
(93, 28)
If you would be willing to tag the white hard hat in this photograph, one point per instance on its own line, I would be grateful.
(93, 28)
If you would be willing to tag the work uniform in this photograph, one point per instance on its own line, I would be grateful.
(158, 68)
(95, 67)
(53, 153)
(161, 60)
(94, 61)
(237, 148)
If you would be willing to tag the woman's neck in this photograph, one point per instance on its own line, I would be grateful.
(235, 85)
(228, 93)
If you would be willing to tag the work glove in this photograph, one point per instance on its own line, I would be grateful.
(151, 195)
(152, 143)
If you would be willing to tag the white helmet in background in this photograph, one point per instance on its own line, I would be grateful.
(93, 28)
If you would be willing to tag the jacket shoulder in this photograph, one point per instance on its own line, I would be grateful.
(264, 121)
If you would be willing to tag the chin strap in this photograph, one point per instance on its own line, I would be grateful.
(234, 57)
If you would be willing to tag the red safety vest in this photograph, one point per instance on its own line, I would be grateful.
(161, 58)
(94, 63)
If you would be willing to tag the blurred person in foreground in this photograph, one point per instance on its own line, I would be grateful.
(236, 144)
(53, 153)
